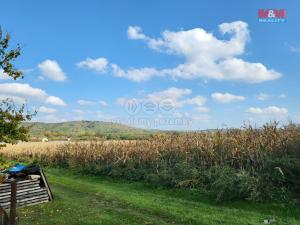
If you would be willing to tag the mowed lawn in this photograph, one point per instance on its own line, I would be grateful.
(83, 199)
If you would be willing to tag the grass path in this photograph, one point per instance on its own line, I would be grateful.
(88, 200)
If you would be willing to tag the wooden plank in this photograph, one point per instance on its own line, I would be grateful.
(31, 191)
(13, 203)
(20, 183)
(25, 195)
(20, 187)
(23, 201)
(20, 191)
(46, 184)
(3, 193)
(32, 194)
(32, 198)
(24, 186)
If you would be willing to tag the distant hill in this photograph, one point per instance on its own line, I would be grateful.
(85, 130)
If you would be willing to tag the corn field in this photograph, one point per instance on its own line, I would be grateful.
(238, 148)
(244, 149)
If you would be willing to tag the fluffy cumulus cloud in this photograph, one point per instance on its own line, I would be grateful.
(205, 55)
(226, 97)
(198, 101)
(53, 100)
(135, 33)
(135, 74)
(24, 92)
(51, 70)
(268, 111)
(173, 95)
(99, 64)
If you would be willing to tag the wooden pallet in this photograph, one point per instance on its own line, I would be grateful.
(29, 192)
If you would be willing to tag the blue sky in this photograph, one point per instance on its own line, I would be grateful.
(155, 64)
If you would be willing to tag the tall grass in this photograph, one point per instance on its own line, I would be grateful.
(255, 163)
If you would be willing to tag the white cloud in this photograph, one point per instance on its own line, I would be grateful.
(23, 92)
(262, 96)
(4, 76)
(169, 93)
(53, 100)
(103, 103)
(44, 109)
(50, 69)
(135, 33)
(205, 55)
(99, 64)
(85, 102)
(16, 99)
(173, 95)
(135, 74)
(198, 101)
(271, 110)
(227, 97)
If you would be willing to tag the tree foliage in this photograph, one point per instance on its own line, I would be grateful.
(11, 115)
(7, 56)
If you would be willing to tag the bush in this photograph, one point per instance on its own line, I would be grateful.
(225, 183)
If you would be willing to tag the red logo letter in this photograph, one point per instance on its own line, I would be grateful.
(262, 13)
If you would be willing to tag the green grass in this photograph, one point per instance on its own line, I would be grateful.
(83, 199)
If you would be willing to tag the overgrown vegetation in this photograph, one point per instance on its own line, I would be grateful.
(248, 163)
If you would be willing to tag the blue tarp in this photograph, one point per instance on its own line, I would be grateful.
(17, 168)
